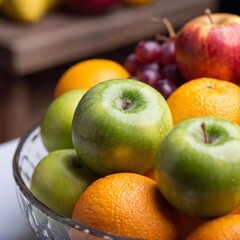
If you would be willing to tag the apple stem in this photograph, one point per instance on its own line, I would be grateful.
(206, 138)
(126, 104)
(208, 13)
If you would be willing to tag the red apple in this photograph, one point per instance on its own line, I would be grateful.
(90, 6)
(209, 46)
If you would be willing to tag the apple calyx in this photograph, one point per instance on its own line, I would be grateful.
(208, 13)
(205, 133)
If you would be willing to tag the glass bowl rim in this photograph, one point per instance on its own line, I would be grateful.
(42, 207)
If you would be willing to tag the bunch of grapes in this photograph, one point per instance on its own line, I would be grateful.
(153, 62)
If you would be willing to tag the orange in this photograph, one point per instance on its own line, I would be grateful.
(86, 74)
(235, 211)
(204, 97)
(222, 228)
(127, 204)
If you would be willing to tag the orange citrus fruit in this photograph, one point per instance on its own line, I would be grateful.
(235, 211)
(205, 97)
(129, 205)
(86, 74)
(222, 228)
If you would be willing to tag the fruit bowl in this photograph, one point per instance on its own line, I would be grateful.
(45, 223)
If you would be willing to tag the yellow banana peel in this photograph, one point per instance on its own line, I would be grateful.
(27, 10)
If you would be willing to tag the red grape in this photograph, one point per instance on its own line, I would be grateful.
(154, 66)
(153, 63)
(167, 55)
(165, 87)
(149, 76)
(132, 64)
(148, 51)
(172, 73)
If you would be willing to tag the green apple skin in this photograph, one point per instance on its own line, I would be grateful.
(111, 135)
(198, 178)
(57, 121)
(59, 180)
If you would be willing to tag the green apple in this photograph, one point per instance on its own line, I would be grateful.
(118, 126)
(198, 166)
(57, 121)
(59, 180)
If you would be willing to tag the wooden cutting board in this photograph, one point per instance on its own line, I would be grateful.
(61, 37)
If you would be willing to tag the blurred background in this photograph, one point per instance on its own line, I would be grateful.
(41, 39)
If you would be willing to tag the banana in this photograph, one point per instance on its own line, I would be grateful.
(29, 11)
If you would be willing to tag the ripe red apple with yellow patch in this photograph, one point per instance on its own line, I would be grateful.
(209, 46)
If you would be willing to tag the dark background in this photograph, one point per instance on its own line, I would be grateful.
(230, 6)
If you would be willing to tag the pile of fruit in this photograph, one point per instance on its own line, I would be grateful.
(145, 152)
(29, 11)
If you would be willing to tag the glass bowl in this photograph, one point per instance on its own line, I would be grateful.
(46, 224)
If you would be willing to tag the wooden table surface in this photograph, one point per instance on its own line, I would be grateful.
(33, 57)
(61, 37)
